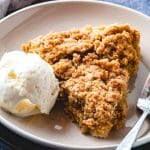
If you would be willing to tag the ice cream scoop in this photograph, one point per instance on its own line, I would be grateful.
(28, 85)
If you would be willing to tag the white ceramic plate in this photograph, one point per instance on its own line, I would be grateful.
(56, 129)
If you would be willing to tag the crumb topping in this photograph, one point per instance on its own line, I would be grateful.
(93, 66)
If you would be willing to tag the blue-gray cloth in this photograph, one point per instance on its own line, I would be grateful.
(11, 5)
(140, 5)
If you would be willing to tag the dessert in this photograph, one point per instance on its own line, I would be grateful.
(27, 84)
(93, 66)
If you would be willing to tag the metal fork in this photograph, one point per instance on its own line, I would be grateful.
(143, 103)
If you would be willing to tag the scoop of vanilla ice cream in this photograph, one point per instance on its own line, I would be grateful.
(28, 85)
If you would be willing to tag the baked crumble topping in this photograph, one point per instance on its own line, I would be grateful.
(93, 66)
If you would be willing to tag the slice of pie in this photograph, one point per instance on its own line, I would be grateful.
(93, 66)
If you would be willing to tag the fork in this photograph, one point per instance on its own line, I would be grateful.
(143, 103)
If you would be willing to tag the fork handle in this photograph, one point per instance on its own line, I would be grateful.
(129, 139)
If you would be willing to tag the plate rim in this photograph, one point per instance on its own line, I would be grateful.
(42, 141)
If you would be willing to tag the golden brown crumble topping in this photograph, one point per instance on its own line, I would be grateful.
(93, 66)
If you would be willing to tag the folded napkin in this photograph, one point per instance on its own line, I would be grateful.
(11, 5)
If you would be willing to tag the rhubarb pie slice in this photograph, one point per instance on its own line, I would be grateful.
(93, 65)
